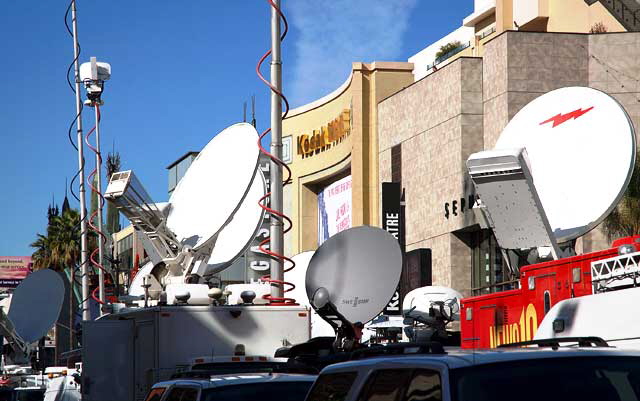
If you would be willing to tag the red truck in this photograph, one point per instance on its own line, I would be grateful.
(487, 321)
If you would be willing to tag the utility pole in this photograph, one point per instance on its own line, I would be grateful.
(276, 229)
(101, 292)
(79, 143)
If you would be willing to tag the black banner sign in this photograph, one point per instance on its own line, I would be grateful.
(393, 223)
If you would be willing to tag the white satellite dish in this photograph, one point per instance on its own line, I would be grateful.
(581, 146)
(236, 236)
(297, 276)
(357, 271)
(135, 288)
(36, 304)
(214, 186)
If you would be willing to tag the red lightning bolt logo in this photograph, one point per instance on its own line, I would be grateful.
(562, 118)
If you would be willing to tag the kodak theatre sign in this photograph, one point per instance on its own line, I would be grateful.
(325, 137)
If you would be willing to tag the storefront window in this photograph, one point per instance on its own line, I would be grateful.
(489, 270)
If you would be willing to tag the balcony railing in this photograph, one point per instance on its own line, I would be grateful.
(486, 33)
(448, 55)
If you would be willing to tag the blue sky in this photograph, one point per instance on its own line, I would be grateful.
(180, 73)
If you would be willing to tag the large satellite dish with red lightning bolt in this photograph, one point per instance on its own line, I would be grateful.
(570, 154)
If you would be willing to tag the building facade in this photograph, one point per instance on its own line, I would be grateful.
(428, 130)
(493, 17)
(333, 155)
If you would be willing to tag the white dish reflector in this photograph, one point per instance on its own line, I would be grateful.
(236, 236)
(135, 288)
(214, 186)
(360, 268)
(581, 146)
(297, 276)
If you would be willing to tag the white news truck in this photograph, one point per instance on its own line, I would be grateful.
(125, 353)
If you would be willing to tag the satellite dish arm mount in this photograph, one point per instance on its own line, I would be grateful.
(345, 333)
(20, 347)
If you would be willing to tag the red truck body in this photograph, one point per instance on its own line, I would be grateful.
(487, 321)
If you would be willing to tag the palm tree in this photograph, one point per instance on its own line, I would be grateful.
(60, 248)
(41, 257)
(624, 220)
(113, 216)
(65, 239)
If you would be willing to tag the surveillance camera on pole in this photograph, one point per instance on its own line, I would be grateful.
(93, 75)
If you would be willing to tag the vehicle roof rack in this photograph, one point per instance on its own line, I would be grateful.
(429, 347)
(240, 369)
(555, 342)
(318, 352)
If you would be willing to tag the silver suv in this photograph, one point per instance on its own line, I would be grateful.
(522, 374)
(234, 387)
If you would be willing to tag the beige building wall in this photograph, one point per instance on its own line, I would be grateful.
(578, 16)
(356, 154)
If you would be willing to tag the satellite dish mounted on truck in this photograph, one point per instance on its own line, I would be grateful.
(351, 277)
(215, 203)
(558, 169)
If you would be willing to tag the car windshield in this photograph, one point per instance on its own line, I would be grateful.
(30, 395)
(556, 379)
(278, 391)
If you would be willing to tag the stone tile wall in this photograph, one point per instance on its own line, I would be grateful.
(438, 122)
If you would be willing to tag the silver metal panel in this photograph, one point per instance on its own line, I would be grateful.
(504, 183)
(145, 351)
(107, 356)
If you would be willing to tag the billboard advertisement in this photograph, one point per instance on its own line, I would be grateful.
(334, 209)
(13, 269)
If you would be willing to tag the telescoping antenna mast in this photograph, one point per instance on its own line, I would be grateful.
(81, 189)
(276, 232)
(93, 75)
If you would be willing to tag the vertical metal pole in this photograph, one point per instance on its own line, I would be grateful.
(99, 185)
(277, 237)
(83, 209)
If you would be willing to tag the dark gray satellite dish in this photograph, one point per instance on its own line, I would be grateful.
(352, 276)
(35, 305)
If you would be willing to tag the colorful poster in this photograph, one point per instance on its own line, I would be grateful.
(334, 209)
(13, 269)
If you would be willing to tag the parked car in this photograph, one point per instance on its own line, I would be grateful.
(524, 374)
(234, 387)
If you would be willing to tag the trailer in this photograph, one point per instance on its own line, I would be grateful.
(125, 353)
